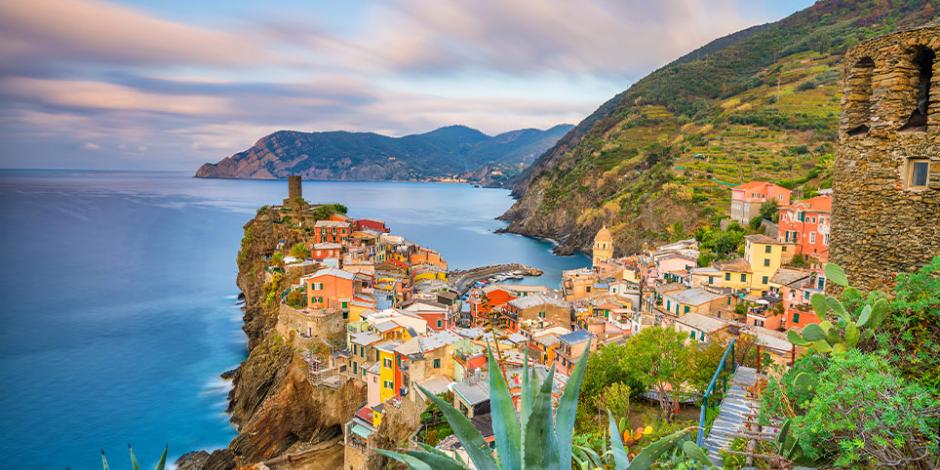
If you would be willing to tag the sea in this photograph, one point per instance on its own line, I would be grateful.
(118, 303)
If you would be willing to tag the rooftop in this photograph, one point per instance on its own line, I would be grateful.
(695, 296)
(335, 272)
(702, 322)
(331, 223)
(575, 337)
(787, 276)
(535, 300)
(739, 265)
(762, 239)
(422, 344)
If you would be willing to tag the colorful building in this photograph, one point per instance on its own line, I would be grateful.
(765, 256)
(331, 231)
(321, 251)
(682, 302)
(603, 249)
(806, 225)
(746, 199)
(329, 288)
(573, 346)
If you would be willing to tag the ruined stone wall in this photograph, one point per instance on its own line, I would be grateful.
(881, 225)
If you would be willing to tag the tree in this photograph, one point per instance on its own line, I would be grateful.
(299, 251)
(661, 361)
(616, 399)
(277, 259)
(604, 368)
(911, 333)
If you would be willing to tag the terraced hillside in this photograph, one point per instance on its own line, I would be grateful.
(657, 160)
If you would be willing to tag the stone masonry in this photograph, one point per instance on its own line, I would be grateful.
(883, 221)
(294, 188)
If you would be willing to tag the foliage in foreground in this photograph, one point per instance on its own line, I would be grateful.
(534, 438)
(848, 403)
(134, 465)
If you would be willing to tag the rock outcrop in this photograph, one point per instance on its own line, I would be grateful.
(274, 404)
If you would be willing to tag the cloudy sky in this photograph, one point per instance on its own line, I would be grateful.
(172, 84)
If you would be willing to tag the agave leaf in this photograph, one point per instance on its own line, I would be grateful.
(526, 399)
(616, 444)
(784, 432)
(818, 301)
(579, 459)
(796, 339)
(412, 462)
(134, 464)
(434, 450)
(822, 346)
(813, 332)
(851, 335)
(836, 274)
(471, 439)
(837, 307)
(650, 453)
(568, 407)
(104, 461)
(541, 445)
(591, 456)
(436, 461)
(505, 422)
(162, 463)
(695, 453)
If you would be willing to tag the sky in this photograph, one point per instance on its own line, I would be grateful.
(169, 85)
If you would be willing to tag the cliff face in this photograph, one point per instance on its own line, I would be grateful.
(656, 161)
(275, 406)
(448, 151)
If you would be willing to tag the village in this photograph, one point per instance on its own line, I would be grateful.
(374, 307)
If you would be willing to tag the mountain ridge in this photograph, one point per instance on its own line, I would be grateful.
(446, 152)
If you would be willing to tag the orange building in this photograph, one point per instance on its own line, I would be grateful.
(427, 256)
(492, 298)
(321, 251)
(806, 223)
(747, 198)
(332, 231)
(330, 288)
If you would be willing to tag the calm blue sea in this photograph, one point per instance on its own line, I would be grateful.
(117, 299)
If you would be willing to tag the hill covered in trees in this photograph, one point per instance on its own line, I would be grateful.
(657, 160)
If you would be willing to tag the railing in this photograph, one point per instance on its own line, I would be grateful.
(711, 388)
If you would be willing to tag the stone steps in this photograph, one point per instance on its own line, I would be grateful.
(734, 410)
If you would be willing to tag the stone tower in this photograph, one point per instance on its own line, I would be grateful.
(886, 178)
(294, 189)
(603, 246)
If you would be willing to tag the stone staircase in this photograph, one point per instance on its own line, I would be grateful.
(734, 411)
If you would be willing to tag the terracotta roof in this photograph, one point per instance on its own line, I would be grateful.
(736, 265)
(756, 185)
(818, 203)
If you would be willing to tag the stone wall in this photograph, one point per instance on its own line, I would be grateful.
(880, 224)
(294, 188)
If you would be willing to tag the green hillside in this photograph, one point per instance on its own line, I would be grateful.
(762, 103)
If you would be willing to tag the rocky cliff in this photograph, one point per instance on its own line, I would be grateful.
(275, 406)
(448, 151)
(657, 160)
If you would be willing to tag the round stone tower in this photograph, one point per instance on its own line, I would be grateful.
(886, 178)
(603, 249)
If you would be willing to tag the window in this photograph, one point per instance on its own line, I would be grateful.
(918, 173)
(767, 248)
(701, 336)
(587, 289)
(801, 216)
(437, 363)
(440, 323)
(812, 238)
(692, 334)
(758, 322)
(743, 277)
(766, 261)
(355, 367)
(922, 60)
(820, 283)
(727, 276)
(686, 309)
(796, 318)
(388, 384)
(668, 304)
(711, 280)
(387, 362)
(541, 314)
(764, 280)
(826, 239)
(345, 304)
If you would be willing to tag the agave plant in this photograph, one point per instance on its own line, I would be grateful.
(134, 465)
(532, 438)
(836, 338)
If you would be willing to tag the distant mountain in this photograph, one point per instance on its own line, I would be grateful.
(656, 161)
(446, 152)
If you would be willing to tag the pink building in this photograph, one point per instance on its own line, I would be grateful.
(747, 198)
(806, 224)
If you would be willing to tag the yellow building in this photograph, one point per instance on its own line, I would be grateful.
(764, 255)
(603, 246)
(734, 274)
(387, 370)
